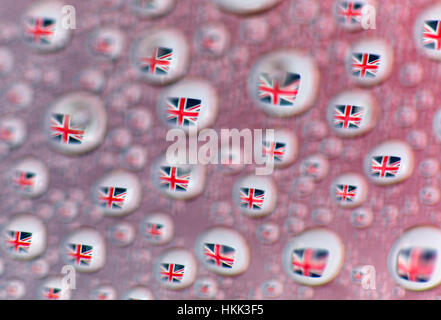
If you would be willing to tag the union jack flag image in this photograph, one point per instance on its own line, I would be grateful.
(347, 116)
(210, 41)
(311, 168)
(365, 65)
(432, 34)
(270, 288)
(112, 197)
(309, 262)
(275, 150)
(103, 45)
(349, 11)
(159, 62)
(251, 198)
(24, 180)
(19, 241)
(174, 179)
(219, 255)
(204, 288)
(416, 264)
(7, 133)
(345, 193)
(52, 293)
(80, 254)
(183, 111)
(62, 131)
(279, 93)
(172, 272)
(39, 30)
(154, 230)
(385, 166)
(102, 296)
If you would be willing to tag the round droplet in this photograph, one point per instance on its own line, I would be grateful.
(369, 61)
(24, 237)
(122, 234)
(15, 289)
(315, 130)
(414, 257)
(178, 181)
(53, 288)
(280, 149)
(117, 193)
(255, 196)
(212, 39)
(160, 56)
(91, 79)
(134, 158)
(29, 177)
(223, 251)
(331, 147)
(314, 257)
(417, 139)
(13, 131)
(20, 95)
(352, 113)
(254, 29)
(284, 83)
(176, 268)
(429, 167)
(406, 116)
(230, 160)
(138, 293)
(322, 216)
(75, 123)
(39, 268)
(304, 11)
(139, 120)
(66, 211)
(191, 103)
(390, 162)
(272, 288)
(349, 14)
(84, 249)
(42, 26)
(268, 232)
(349, 190)
(107, 42)
(120, 138)
(103, 292)
(424, 99)
(245, 6)
(315, 166)
(426, 32)
(151, 8)
(157, 228)
(362, 217)
(206, 288)
(294, 225)
(430, 196)
(411, 74)
(304, 186)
